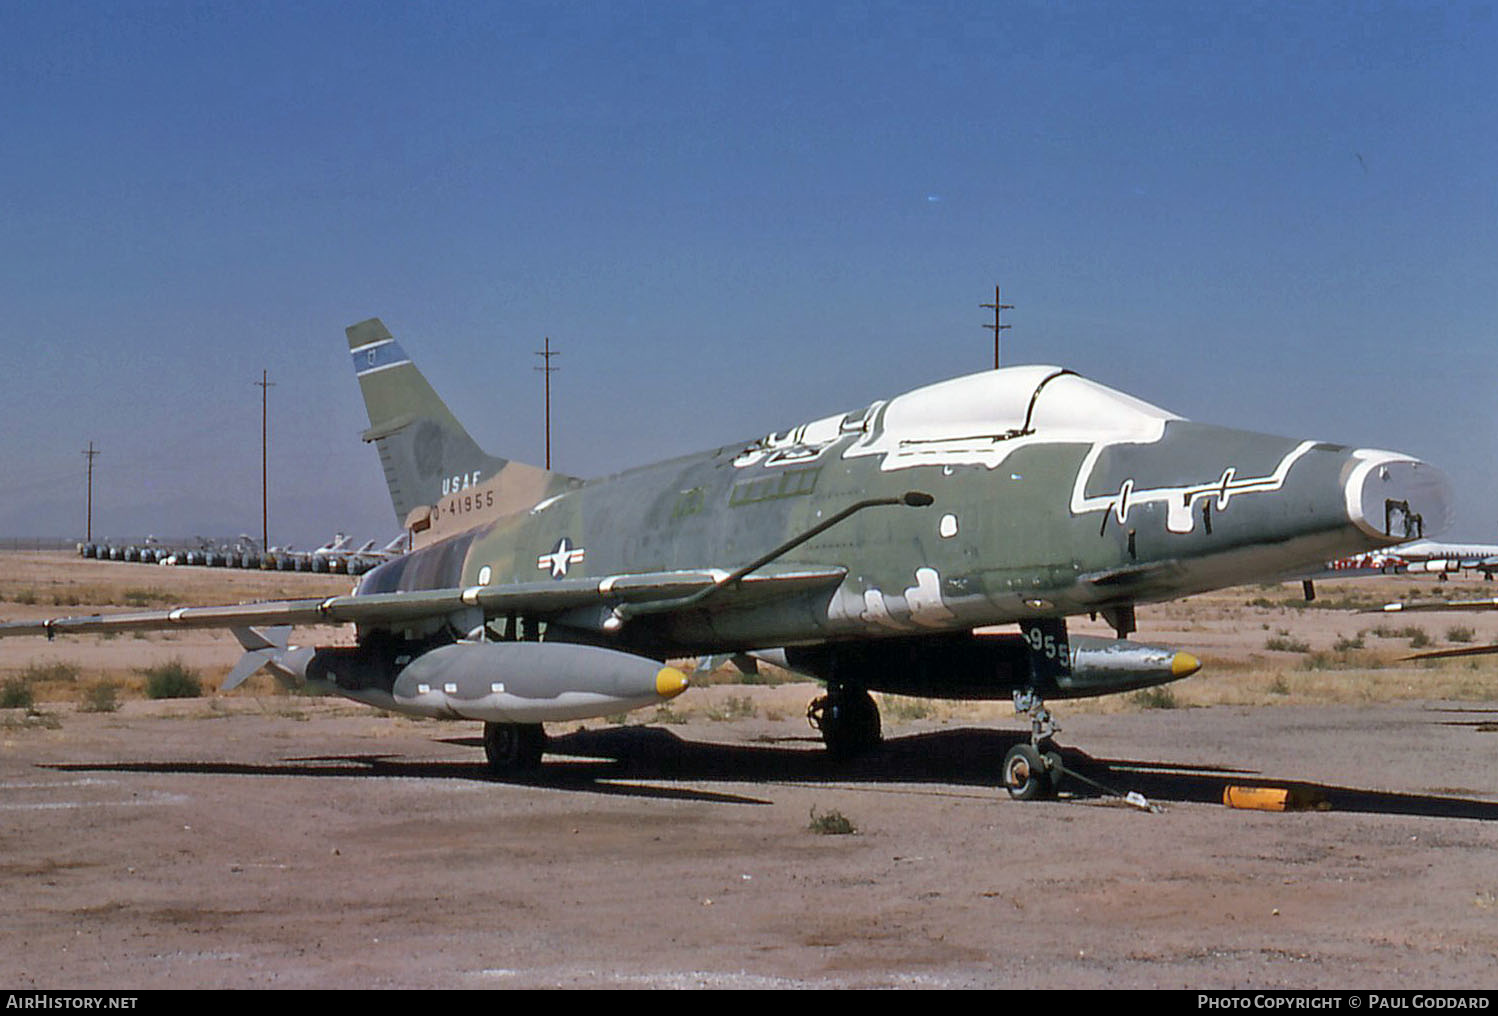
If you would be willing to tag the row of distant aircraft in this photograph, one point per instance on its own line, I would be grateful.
(335, 556)
(871, 549)
(1419, 557)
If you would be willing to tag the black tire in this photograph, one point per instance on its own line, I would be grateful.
(1026, 775)
(849, 721)
(514, 747)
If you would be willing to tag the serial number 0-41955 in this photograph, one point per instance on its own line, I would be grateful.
(463, 504)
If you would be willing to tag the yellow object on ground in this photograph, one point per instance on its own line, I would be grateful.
(1274, 798)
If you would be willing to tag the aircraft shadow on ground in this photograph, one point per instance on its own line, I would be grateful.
(635, 761)
(971, 757)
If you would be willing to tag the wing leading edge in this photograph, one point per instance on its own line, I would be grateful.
(540, 599)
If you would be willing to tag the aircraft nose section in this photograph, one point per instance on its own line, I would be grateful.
(1396, 497)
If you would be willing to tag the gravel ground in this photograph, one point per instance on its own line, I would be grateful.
(258, 840)
(273, 842)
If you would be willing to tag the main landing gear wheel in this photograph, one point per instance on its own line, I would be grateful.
(848, 720)
(513, 747)
(1030, 774)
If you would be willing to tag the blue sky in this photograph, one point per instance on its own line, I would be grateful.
(730, 218)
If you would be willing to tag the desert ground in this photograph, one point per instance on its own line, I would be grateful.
(263, 839)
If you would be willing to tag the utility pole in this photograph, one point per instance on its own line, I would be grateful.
(89, 526)
(264, 384)
(547, 370)
(997, 307)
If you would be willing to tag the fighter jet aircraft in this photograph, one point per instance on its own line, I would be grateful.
(866, 546)
(367, 557)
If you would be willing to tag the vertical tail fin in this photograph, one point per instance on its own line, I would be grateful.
(426, 453)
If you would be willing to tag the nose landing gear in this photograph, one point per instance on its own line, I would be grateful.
(1030, 774)
(1034, 770)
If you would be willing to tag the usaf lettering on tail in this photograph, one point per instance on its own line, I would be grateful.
(863, 548)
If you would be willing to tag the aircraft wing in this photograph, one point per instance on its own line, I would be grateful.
(1436, 606)
(651, 592)
(1452, 654)
(1443, 606)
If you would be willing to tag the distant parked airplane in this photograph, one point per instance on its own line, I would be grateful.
(1417, 558)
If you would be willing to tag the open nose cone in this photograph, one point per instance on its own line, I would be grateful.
(1395, 497)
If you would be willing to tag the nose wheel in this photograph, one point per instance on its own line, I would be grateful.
(1033, 771)
(1031, 774)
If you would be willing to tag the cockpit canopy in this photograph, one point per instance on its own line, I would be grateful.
(1048, 402)
(978, 419)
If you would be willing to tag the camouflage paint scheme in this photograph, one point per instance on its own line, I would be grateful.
(1053, 496)
(867, 547)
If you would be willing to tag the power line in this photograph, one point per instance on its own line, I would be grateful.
(547, 370)
(264, 384)
(89, 526)
(997, 307)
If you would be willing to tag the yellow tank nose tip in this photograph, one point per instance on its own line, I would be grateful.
(670, 682)
(1184, 665)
